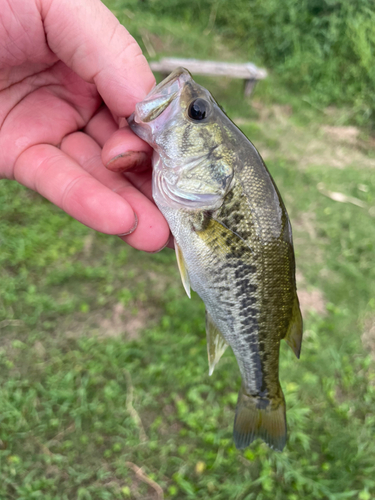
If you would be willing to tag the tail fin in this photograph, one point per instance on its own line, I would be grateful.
(259, 418)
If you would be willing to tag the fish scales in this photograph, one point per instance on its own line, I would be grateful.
(233, 242)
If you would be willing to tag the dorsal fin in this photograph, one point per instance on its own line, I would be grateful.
(216, 344)
(293, 336)
(182, 268)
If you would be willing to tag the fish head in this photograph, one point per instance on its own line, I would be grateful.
(189, 132)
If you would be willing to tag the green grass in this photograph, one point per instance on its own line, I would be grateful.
(321, 49)
(103, 362)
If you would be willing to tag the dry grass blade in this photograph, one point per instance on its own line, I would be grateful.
(63, 433)
(142, 476)
(211, 20)
(42, 446)
(131, 410)
(147, 42)
(341, 197)
(11, 322)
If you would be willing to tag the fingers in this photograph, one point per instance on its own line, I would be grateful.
(101, 126)
(122, 149)
(91, 41)
(60, 179)
(152, 232)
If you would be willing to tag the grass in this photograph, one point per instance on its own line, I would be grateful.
(103, 365)
(322, 49)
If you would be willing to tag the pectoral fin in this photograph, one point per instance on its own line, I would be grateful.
(294, 334)
(216, 344)
(183, 269)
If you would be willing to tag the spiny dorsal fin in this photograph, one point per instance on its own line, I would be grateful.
(294, 334)
(216, 344)
(183, 269)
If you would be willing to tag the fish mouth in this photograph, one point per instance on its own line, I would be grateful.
(138, 129)
(160, 97)
(180, 74)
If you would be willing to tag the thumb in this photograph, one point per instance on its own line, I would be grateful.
(89, 39)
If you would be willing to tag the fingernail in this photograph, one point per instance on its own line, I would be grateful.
(160, 249)
(133, 228)
(125, 161)
(126, 154)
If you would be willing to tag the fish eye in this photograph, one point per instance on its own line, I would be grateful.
(198, 109)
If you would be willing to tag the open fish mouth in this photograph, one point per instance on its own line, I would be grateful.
(160, 97)
(180, 74)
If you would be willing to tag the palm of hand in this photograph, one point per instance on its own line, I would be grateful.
(41, 109)
(51, 136)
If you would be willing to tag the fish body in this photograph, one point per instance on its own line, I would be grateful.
(233, 242)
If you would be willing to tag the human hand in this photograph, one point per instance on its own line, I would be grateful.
(59, 60)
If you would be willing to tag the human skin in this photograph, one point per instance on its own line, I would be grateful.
(69, 74)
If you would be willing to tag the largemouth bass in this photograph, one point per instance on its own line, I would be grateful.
(233, 242)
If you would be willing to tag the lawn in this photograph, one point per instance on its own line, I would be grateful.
(104, 386)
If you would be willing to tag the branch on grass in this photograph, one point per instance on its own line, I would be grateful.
(142, 476)
(131, 410)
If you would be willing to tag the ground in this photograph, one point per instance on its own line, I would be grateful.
(104, 386)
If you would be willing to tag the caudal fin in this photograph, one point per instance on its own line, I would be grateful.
(262, 419)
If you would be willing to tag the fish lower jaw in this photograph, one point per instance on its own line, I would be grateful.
(167, 195)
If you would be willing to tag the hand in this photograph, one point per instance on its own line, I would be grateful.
(59, 60)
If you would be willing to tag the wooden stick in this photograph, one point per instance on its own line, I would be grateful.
(142, 476)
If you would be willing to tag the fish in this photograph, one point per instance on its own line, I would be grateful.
(233, 242)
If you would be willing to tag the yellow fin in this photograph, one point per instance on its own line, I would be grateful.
(259, 418)
(182, 267)
(216, 344)
(293, 336)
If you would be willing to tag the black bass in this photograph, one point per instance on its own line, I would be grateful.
(233, 242)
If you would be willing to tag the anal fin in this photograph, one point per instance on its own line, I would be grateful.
(293, 336)
(216, 344)
(182, 268)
